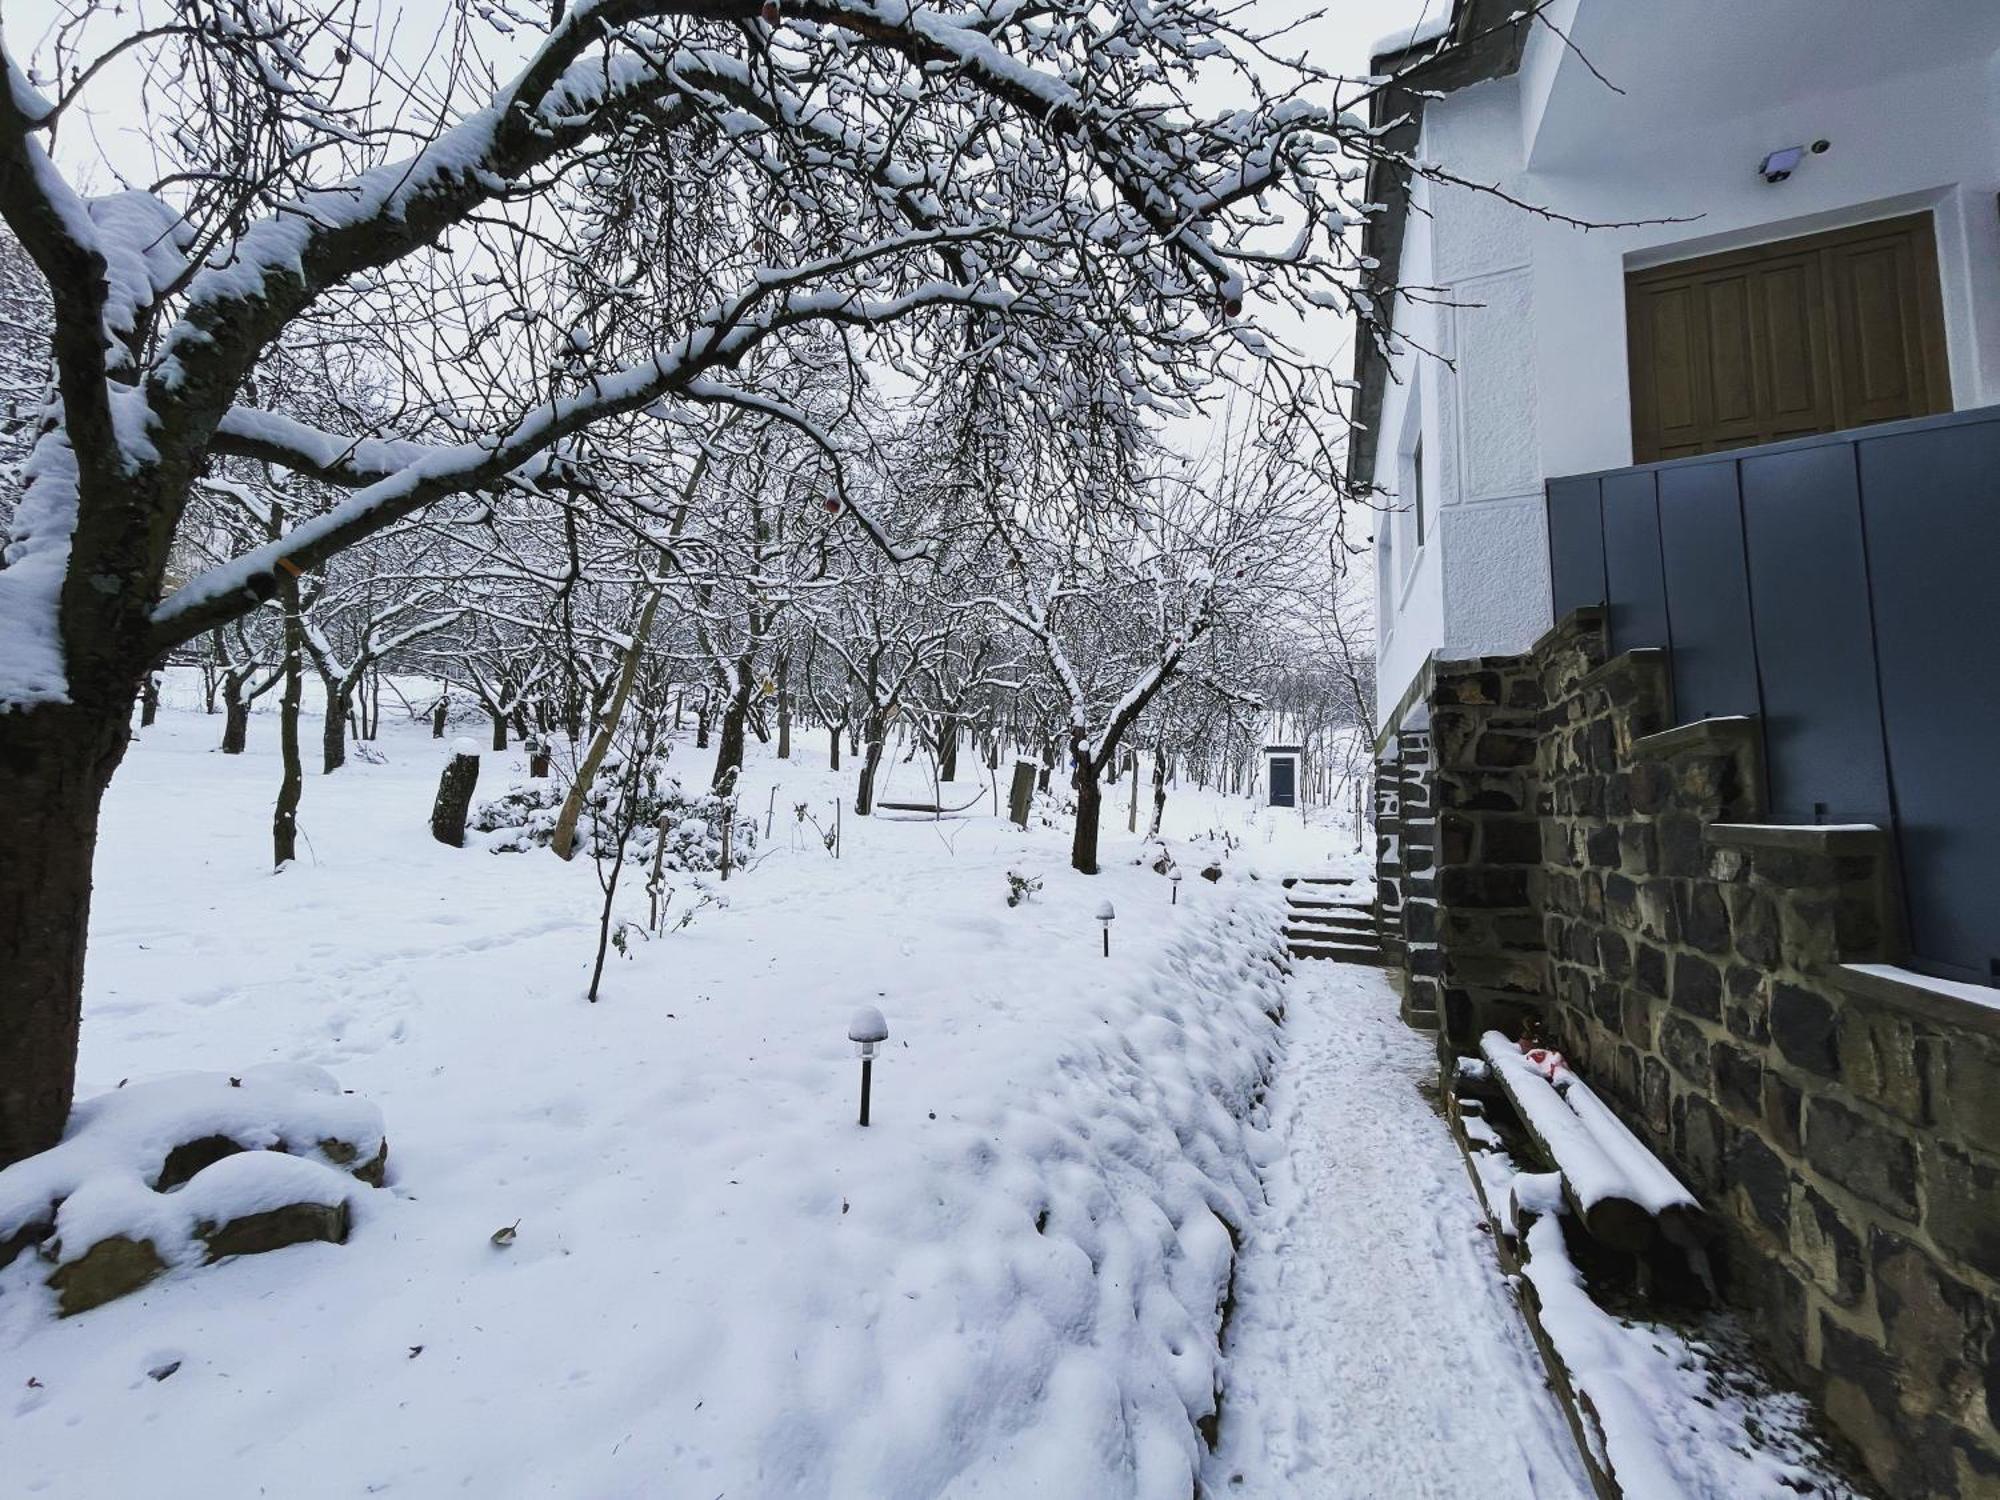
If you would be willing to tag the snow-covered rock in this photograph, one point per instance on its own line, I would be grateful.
(190, 1167)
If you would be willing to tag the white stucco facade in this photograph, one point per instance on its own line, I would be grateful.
(1514, 370)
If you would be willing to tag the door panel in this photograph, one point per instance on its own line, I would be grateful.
(1809, 335)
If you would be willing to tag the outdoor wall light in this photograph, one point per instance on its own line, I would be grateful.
(1104, 915)
(867, 1031)
(1781, 164)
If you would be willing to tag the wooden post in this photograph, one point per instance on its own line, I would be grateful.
(454, 798)
(1021, 795)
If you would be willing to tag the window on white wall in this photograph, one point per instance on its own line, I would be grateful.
(1410, 525)
(1417, 488)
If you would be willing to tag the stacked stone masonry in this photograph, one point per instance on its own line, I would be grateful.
(1602, 880)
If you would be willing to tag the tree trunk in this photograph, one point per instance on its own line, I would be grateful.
(454, 800)
(1089, 805)
(1159, 793)
(729, 754)
(55, 762)
(437, 718)
(563, 840)
(948, 748)
(499, 727)
(235, 717)
(149, 700)
(285, 817)
(784, 708)
(701, 724)
(333, 734)
(864, 791)
(833, 744)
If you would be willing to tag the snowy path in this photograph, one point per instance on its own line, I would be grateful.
(1374, 1353)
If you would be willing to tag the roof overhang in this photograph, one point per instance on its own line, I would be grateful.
(1484, 40)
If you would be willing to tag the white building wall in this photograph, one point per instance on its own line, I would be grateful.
(1530, 379)
(1467, 383)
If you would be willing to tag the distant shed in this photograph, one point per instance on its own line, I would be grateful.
(1283, 765)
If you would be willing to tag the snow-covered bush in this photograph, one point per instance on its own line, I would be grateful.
(524, 817)
(1021, 887)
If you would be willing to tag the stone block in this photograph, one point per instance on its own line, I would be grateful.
(1784, 1108)
(1638, 849)
(1866, 1158)
(1697, 987)
(1685, 1048)
(1601, 847)
(1500, 750)
(1757, 1177)
(1649, 970)
(1805, 1029)
(1698, 1135)
(1621, 902)
(1655, 1097)
(1962, 1206)
(1650, 784)
(1636, 1020)
(1614, 953)
(1965, 1088)
(1934, 1326)
(1681, 849)
(1455, 833)
(1828, 1247)
(1862, 1396)
(1510, 841)
(1754, 926)
(1878, 1059)
(1657, 917)
(1739, 1081)
(1745, 1010)
(292, 1224)
(110, 1268)
(1704, 919)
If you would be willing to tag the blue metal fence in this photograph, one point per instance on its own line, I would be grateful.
(1845, 589)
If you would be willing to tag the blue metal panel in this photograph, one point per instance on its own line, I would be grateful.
(1815, 645)
(1576, 544)
(1708, 592)
(1931, 500)
(1635, 588)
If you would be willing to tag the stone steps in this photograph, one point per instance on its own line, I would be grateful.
(1322, 923)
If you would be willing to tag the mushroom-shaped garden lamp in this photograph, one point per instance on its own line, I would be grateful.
(1104, 915)
(867, 1031)
(1174, 875)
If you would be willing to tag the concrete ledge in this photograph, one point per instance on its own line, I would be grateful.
(1717, 736)
(1625, 663)
(1831, 839)
(1948, 1002)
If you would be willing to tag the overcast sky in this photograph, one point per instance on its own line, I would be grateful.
(1338, 37)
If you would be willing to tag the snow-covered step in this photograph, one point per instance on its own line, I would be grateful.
(1347, 920)
(1353, 953)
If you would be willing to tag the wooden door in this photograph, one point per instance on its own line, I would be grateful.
(1807, 335)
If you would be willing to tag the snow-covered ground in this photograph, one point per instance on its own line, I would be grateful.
(719, 1284)
(1374, 1350)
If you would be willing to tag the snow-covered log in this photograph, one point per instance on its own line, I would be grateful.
(1616, 1209)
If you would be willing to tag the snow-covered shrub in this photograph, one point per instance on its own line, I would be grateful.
(524, 817)
(1021, 887)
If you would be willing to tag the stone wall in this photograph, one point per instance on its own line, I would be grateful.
(1604, 879)
(1406, 872)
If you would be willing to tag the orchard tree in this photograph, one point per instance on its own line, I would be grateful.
(1025, 193)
